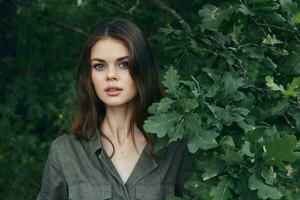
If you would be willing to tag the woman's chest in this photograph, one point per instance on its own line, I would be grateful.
(98, 177)
(124, 163)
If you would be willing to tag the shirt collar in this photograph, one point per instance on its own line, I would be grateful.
(95, 145)
(95, 142)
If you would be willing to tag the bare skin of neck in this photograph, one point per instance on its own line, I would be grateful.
(115, 126)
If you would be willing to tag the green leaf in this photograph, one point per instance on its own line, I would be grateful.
(280, 107)
(245, 150)
(165, 104)
(178, 132)
(267, 6)
(213, 16)
(171, 81)
(256, 140)
(229, 114)
(188, 104)
(198, 137)
(227, 142)
(153, 108)
(292, 61)
(273, 86)
(280, 149)
(288, 5)
(161, 124)
(296, 117)
(244, 190)
(231, 85)
(254, 52)
(291, 87)
(263, 191)
(160, 144)
(245, 126)
(274, 18)
(232, 157)
(269, 175)
(211, 165)
(222, 191)
(297, 18)
(271, 40)
(192, 86)
(212, 172)
(245, 10)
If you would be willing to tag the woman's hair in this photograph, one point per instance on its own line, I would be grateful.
(91, 110)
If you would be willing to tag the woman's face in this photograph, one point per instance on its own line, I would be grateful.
(109, 61)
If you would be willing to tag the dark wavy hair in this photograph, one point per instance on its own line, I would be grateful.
(145, 74)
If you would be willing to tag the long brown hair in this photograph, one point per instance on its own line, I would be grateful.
(145, 74)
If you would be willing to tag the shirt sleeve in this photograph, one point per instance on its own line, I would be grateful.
(185, 167)
(54, 186)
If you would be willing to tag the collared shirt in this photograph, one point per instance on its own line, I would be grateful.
(81, 170)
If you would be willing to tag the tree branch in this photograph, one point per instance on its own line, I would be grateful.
(104, 3)
(36, 13)
(172, 12)
(117, 6)
(134, 7)
(288, 121)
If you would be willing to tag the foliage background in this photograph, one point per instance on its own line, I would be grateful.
(231, 70)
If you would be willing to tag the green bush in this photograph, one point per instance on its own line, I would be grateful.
(233, 92)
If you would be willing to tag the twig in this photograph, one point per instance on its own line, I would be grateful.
(288, 121)
(36, 13)
(130, 11)
(274, 26)
(172, 12)
(257, 24)
(120, 7)
(258, 88)
(115, 7)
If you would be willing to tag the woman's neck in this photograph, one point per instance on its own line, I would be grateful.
(116, 124)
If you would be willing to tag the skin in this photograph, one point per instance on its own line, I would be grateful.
(107, 70)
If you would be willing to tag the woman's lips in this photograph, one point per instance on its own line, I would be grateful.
(113, 92)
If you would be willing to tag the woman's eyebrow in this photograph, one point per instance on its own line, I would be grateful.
(118, 59)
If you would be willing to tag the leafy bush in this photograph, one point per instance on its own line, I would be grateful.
(233, 92)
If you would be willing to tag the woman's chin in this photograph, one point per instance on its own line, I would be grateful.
(117, 103)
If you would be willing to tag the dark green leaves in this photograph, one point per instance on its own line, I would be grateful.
(212, 16)
(264, 191)
(235, 87)
(280, 149)
(222, 191)
(171, 81)
(161, 124)
(197, 136)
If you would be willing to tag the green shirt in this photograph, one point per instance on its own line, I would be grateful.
(81, 170)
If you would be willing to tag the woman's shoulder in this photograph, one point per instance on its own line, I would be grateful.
(65, 147)
(63, 140)
(65, 143)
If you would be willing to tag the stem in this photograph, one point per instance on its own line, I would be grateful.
(172, 12)
(288, 121)
(34, 12)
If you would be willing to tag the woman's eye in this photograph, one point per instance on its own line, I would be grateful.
(98, 66)
(124, 64)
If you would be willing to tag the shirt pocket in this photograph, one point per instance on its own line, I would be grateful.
(80, 191)
(154, 192)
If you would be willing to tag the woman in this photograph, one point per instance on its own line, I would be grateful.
(108, 155)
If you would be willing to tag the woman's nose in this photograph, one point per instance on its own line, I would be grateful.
(111, 72)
